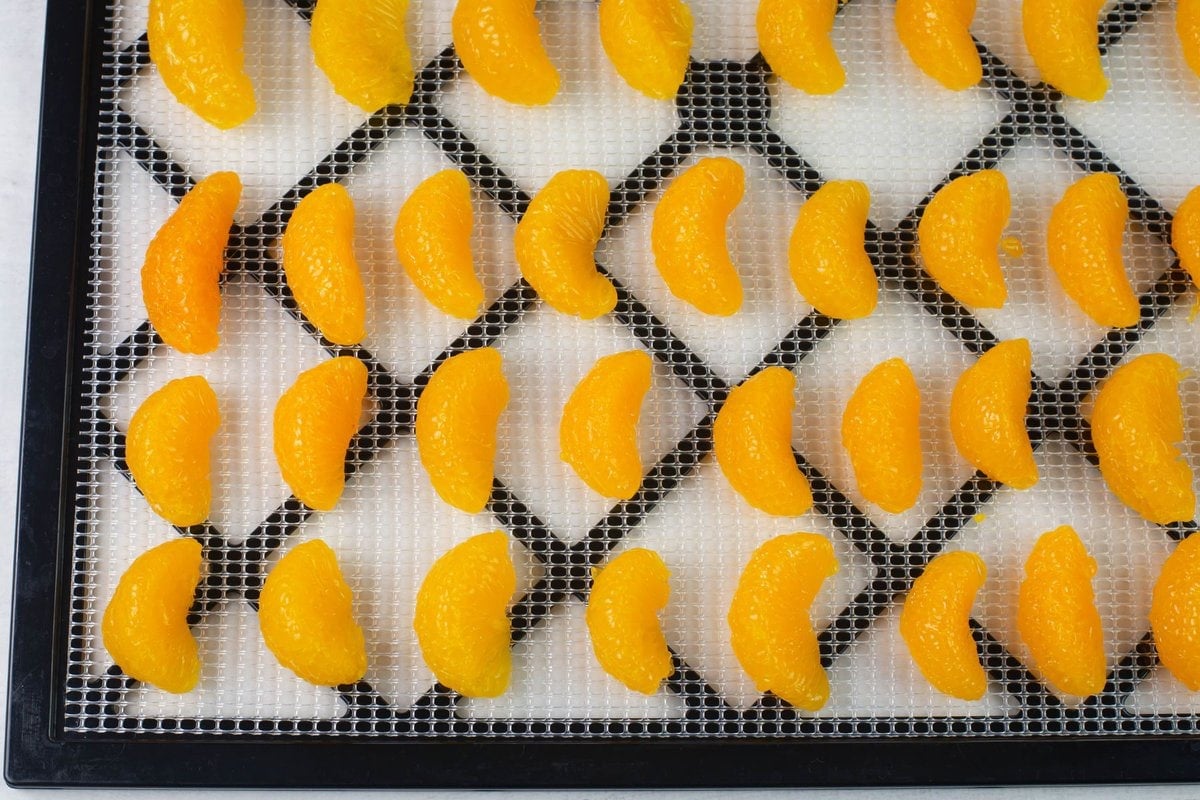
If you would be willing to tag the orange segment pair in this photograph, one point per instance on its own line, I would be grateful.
(770, 619)
(752, 439)
(1084, 246)
(315, 420)
(457, 415)
(937, 36)
(794, 37)
(197, 47)
(1063, 36)
(361, 47)
(598, 433)
(500, 44)
(1137, 425)
(689, 240)
(184, 262)
(322, 272)
(987, 414)
(881, 430)
(648, 42)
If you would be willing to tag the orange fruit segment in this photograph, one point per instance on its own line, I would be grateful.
(457, 415)
(935, 624)
(793, 36)
(145, 626)
(361, 47)
(500, 44)
(770, 620)
(184, 263)
(168, 450)
(598, 433)
(622, 619)
(827, 255)
(1137, 425)
(752, 439)
(987, 414)
(315, 420)
(1057, 617)
(433, 243)
(1187, 26)
(1185, 230)
(688, 235)
(461, 617)
(318, 259)
(197, 47)
(1084, 246)
(959, 236)
(937, 36)
(1175, 613)
(306, 616)
(648, 42)
(556, 240)
(1063, 36)
(881, 430)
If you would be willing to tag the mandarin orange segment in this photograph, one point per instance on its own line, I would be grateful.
(689, 240)
(1187, 26)
(168, 450)
(827, 255)
(648, 42)
(794, 37)
(361, 47)
(622, 619)
(881, 430)
(197, 47)
(556, 241)
(461, 618)
(184, 263)
(457, 415)
(937, 36)
(959, 236)
(1185, 233)
(306, 616)
(1175, 613)
(598, 433)
(935, 624)
(145, 627)
(1063, 36)
(322, 272)
(500, 44)
(1084, 246)
(1057, 617)
(433, 243)
(1137, 426)
(987, 414)
(315, 420)
(771, 622)
(752, 439)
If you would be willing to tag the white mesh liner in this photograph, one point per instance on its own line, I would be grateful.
(891, 127)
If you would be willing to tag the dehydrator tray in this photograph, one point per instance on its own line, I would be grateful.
(117, 153)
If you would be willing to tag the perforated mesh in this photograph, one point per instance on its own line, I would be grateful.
(890, 126)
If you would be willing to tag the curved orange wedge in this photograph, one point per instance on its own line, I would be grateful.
(793, 36)
(827, 255)
(622, 619)
(361, 47)
(1063, 36)
(935, 624)
(881, 430)
(959, 236)
(1175, 613)
(937, 36)
(648, 42)
(500, 44)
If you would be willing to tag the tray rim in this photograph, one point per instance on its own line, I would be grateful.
(38, 754)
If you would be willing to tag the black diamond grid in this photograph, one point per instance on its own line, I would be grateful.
(723, 104)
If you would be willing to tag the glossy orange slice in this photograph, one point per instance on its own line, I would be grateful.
(145, 625)
(315, 420)
(1063, 36)
(935, 624)
(881, 430)
(500, 44)
(793, 36)
(306, 616)
(168, 449)
(937, 36)
(1175, 613)
(1185, 231)
(184, 262)
(598, 433)
(959, 235)
(622, 619)
(461, 618)
(770, 620)
(1187, 26)
(457, 416)
(361, 47)
(827, 255)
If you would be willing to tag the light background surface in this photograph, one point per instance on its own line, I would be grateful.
(20, 57)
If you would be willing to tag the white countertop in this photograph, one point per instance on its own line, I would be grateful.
(20, 57)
